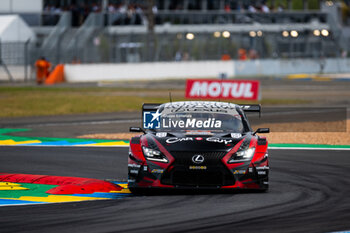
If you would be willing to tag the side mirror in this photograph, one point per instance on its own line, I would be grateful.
(262, 130)
(136, 129)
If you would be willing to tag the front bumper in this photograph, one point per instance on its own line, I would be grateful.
(150, 175)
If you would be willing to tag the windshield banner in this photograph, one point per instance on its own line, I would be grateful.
(155, 120)
(222, 89)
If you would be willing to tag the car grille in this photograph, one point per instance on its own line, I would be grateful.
(215, 174)
(210, 158)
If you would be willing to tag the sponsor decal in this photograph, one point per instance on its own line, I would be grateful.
(210, 139)
(160, 171)
(236, 135)
(134, 165)
(240, 172)
(198, 159)
(222, 89)
(198, 132)
(200, 105)
(198, 167)
(175, 140)
(261, 172)
(250, 169)
(263, 168)
(134, 171)
(212, 107)
(131, 180)
(151, 120)
(219, 140)
(161, 134)
(145, 168)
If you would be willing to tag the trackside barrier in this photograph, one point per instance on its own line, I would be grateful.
(276, 67)
(146, 71)
(202, 69)
(56, 76)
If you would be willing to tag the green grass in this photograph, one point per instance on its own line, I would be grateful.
(41, 101)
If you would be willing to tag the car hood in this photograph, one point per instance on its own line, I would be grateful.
(196, 143)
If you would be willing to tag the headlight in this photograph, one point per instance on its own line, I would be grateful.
(242, 155)
(154, 155)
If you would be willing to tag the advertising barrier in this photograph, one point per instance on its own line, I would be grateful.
(222, 89)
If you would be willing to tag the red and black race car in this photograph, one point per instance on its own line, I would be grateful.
(197, 144)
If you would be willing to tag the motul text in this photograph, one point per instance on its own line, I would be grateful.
(222, 89)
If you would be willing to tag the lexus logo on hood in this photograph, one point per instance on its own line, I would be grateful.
(198, 159)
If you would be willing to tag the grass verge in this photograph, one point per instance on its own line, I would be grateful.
(43, 101)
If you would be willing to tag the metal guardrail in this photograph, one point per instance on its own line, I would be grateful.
(91, 43)
(14, 58)
(76, 47)
(62, 25)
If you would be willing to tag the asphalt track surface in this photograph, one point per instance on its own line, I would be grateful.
(309, 192)
(76, 125)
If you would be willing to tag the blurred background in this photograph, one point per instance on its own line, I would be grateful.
(134, 31)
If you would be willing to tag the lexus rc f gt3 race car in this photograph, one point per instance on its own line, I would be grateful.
(196, 144)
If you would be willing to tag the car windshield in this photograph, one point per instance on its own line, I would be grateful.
(202, 121)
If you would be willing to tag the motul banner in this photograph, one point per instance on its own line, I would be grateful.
(222, 89)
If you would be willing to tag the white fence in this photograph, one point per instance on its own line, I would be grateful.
(202, 69)
(146, 71)
(276, 67)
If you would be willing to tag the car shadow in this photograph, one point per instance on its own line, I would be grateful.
(191, 191)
